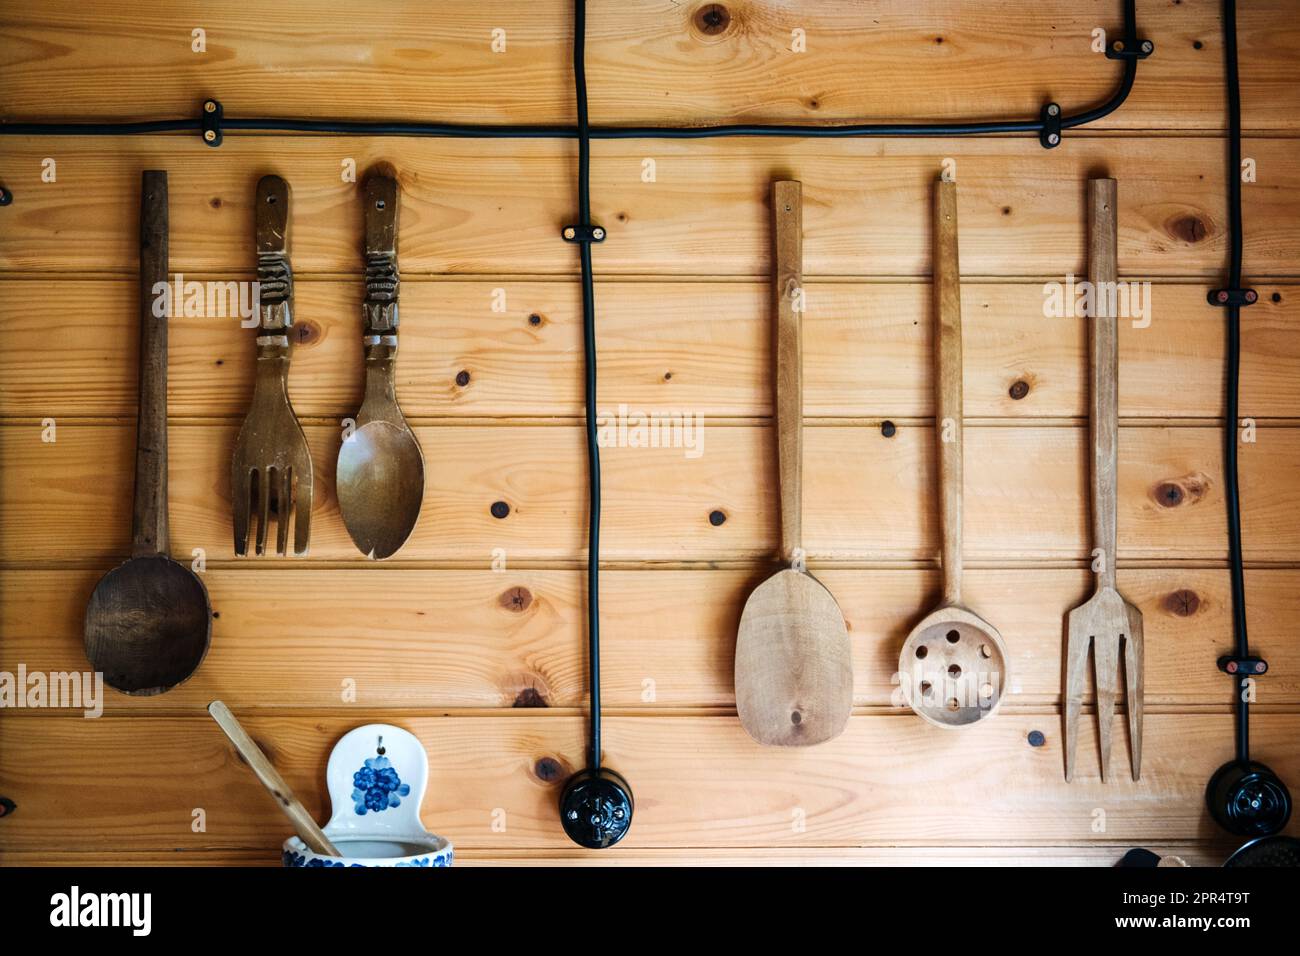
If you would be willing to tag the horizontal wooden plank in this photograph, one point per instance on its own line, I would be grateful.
(1204, 853)
(698, 781)
(690, 347)
(335, 639)
(866, 498)
(648, 61)
(488, 208)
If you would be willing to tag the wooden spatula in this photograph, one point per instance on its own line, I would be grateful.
(794, 671)
(1106, 621)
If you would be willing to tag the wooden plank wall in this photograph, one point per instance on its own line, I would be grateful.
(487, 667)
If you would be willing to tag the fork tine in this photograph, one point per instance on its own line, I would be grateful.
(301, 511)
(1105, 656)
(1134, 661)
(240, 500)
(284, 510)
(263, 507)
(1076, 672)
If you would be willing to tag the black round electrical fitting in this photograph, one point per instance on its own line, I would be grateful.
(596, 808)
(1248, 799)
(1267, 851)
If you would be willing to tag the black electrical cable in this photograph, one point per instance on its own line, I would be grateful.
(589, 358)
(506, 131)
(1232, 490)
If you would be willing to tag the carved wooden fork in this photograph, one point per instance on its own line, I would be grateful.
(1106, 621)
(271, 475)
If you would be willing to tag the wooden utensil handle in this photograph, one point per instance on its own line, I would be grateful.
(383, 282)
(306, 827)
(1103, 272)
(271, 236)
(949, 410)
(788, 298)
(149, 512)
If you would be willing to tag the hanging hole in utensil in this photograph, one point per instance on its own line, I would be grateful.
(380, 749)
(270, 200)
(380, 204)
(986, 651)
(954, 704)
(796, 718)
(986, 690)
(953, 637)
(926, 687)
(954, 671)
(922, 651)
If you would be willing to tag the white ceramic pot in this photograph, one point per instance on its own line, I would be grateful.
(377, 775)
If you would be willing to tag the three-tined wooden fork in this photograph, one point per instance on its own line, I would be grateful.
(271, 475)
(1106, 621)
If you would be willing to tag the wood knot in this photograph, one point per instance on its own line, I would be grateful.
(1182, 603)
(530, 697)
(548, 769)
(1019, 389)
(516, 599)
(1186, 490)
(712, 20)
(306, 333)
(215, 202)
(1190, 229)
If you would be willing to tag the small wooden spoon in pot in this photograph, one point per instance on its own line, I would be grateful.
(953, 666)
(380, 473)
(794, 667)
(270, 778)
(148, 622)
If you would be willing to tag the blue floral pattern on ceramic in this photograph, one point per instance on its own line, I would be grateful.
(291, 859)
(377, 786)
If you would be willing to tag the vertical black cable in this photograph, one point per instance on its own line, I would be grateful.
(1232, 490)
(589, 353)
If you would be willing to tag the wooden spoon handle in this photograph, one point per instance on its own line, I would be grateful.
(306, 827)
(949, 411)
(383, 283)
(1103, 272)
(787, 290)
(149, 512)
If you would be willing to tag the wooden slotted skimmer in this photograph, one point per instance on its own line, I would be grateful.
(1106, 620)
(953, 666)
(794, 670)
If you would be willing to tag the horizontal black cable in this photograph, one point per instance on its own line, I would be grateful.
(508, 131)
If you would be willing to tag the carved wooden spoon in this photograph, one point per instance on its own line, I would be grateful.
(380, 474)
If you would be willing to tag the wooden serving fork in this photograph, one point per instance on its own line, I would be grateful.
(1106, 621)
(272, 469)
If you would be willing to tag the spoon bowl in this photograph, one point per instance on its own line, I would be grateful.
(953, 667)
(380, 486)
(148, 625)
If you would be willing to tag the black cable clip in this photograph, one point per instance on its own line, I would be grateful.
(583, 234)
(1242, 666)
(1231, 297)
(1130, 48)
(211, 120)
(1049, 137)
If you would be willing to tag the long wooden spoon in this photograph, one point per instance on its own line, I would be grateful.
(265, 771)
(148, 622)
(794, 667)
(380, 475)
(953, 666)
